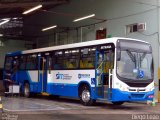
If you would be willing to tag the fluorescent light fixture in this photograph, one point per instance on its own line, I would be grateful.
(1, 35)
(82, 18)
(32, 9)
(48, 28)
(4, 21)
(15, 18)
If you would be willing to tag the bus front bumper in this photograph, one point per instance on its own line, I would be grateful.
(118, 96)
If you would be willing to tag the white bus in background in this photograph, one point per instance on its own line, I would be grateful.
(114, 69)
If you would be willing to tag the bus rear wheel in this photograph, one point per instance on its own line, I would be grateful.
(85, 96)
(26, 90)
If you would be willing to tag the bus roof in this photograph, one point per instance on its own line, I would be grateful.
(74, 45)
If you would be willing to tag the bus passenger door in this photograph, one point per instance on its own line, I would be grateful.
(109, 65)
(99, 73)
(43, 74)
(104, 66)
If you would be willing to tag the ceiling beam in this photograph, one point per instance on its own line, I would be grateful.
(31, 3)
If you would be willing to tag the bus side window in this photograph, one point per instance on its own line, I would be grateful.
(87, 58)
(15, 64)
(81, 64)
(58, 60)
(109, 64)
(70, 65)
(22, 62)
(50, 63)
(31, 63)
(108, 61)
(8, 63)
(71, 58)
(90, 64)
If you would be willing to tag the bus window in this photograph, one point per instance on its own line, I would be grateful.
(15, 64)
(108, 61)
(8, 63)
(58, 60)
(31, 63)
(71, 59)
(87, 58)
(22, 62)
(50, 64)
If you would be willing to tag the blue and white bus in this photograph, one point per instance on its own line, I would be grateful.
(114, 69)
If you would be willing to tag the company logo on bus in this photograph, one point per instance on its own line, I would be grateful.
(63, 76)
(83, 76)
(59, 76)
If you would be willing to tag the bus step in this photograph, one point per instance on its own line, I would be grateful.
(44, 94)
(102, 99)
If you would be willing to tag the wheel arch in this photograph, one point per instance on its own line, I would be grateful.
(81, 84)
(26, 81)
(23, 84)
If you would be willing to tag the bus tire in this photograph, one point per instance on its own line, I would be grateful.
(85, 96)
(27, 90)
(117, 103)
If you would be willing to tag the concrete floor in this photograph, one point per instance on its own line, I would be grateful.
(62, 109)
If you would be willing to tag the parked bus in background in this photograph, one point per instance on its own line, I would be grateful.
(114, 69)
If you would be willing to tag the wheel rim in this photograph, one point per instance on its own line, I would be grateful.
(26, 90)
(86, 96)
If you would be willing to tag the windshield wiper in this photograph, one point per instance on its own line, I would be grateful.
(143, 56)
(131, 56)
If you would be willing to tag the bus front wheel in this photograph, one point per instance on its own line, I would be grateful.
(27, 90)
(85, 96)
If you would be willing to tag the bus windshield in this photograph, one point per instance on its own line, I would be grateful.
(135, 64)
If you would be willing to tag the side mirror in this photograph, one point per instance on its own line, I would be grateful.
(118, 54)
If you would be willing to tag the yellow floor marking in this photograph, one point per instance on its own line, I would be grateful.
(1, 106)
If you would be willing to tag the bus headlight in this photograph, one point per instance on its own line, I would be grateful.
(150, 87)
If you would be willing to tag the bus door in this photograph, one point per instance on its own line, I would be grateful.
(109, 66)
(43, 74)
(104, 66)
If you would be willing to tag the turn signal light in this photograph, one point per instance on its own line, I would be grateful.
(151, 96)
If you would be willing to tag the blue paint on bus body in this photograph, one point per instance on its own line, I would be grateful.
(71, 90)
(118, 95)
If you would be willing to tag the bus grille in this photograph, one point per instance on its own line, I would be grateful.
(137, 95)
(131, 84)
